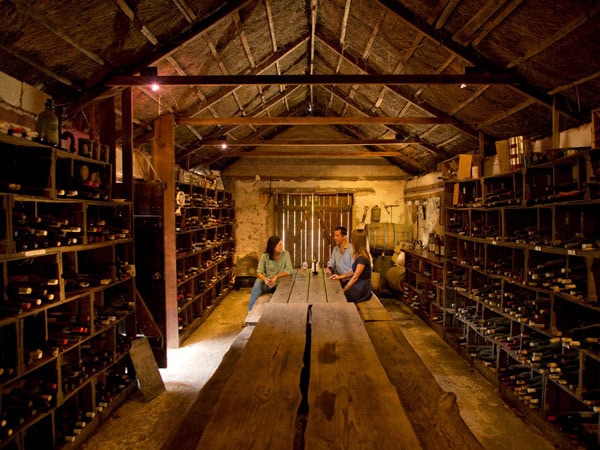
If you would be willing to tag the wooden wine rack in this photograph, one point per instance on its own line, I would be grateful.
(507, 236)
(75, 254)
(204, 259)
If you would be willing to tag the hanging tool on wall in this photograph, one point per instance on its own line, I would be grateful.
(389, 210)
(364, 216)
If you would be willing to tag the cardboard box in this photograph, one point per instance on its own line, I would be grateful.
(464, 167)
(458, 167)
(491, 166)
(503, 153)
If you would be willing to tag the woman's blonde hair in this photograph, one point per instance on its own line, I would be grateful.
(360, 244)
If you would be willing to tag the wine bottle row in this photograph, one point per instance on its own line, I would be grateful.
(522, 259)
(205, 246)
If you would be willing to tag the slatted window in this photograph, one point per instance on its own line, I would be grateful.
(306, 223)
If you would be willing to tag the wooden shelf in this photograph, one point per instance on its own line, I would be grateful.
(72, 342)
(523, 249)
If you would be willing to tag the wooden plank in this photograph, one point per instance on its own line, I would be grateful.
(432, 411)
(256, 313)
(350, 407)
(197, 416)
(284, 289)
(258, 405)
(299, 292)
(372, 310)
(334, 291)
(146, 369)
(316, 289)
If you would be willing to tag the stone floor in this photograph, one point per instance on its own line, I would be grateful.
(147, 425)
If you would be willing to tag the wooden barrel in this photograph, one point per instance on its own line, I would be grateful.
(376, 282)
(393, 277)
(384, 236)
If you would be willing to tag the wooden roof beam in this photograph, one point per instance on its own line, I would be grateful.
(310, 120)
(225, 130)
(421, 106)
(337, 79)
(305, 142)
(431, 148)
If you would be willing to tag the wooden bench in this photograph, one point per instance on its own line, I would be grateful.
(432, 411)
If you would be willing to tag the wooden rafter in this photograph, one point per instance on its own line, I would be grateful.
(367, 50)
(31, 11)
(421, 106)
(314, 154)
(338, 79)
(401, 63)
(261, 133)
(195, 89)
(185, 10)
(411, 162)
(211, 101)
(310, 120)
(446, 12)
(585, 79)
(433, 149)
(411, 20)
(264, 108)
(491, 24)
(478, 93)
(224, 71)
(306, 142)
(43, 69)
(136, 21)
(273, 36)
(311, 57)
(564, 31)
(244, 40)
(507, 113)
(468, 30)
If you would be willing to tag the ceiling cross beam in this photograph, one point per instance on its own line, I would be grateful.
(434, 120)
(337, 79)
(311, 120)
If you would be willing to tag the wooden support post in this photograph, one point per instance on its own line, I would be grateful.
(555, 123)
(127, 142)
(163, 157)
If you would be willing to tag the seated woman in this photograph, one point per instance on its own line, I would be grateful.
(273, 264)
(358, 289)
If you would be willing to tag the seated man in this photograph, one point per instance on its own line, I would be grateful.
(341, 255)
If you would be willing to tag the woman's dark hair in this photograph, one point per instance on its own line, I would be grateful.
(271, 244)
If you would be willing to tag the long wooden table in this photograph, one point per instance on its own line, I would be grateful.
(308, 376)
(305, 287)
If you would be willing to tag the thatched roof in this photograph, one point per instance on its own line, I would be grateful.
(546, 52)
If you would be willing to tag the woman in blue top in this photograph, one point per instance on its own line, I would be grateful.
(358, 289)
(273, 264)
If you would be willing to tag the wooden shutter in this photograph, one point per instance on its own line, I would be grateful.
(306, 223)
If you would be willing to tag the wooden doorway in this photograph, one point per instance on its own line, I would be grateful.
(306, 223)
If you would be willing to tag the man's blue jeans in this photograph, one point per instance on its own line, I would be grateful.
(258, 289)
